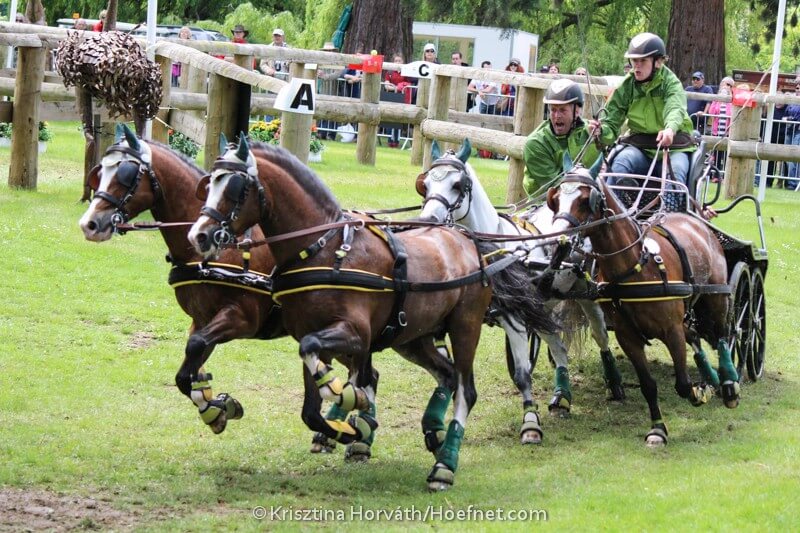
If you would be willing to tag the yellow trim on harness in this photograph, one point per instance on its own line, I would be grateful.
(643, 299)
(225, 284)
(524, 224)
(379, 232)
(226, 265)
(279, 294)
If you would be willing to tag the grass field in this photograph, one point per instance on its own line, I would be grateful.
(94, 434)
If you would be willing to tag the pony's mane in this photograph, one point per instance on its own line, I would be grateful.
(181, 156)
(300, 173)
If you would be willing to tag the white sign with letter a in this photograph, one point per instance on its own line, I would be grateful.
(418, 69)
(298, 96)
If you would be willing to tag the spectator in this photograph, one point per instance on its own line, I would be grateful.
(695, 107)
(80, 24)
(21, 19)
(720, 112)
(488, 92)
(239, 34)
(352, 78)
(545, 69)
(274, 67)
(429, 53)
(185, 34)
(394, 82)
(626, 68)
(553, 69)
(457, 59)
(792, 114)
(653, 102)
(563, 131)
(98, 26)
(508, 91)
(779, 124)
(580, 71)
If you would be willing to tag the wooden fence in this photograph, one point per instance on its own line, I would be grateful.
(203, 114)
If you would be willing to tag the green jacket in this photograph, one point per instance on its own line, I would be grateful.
(649, 107)
(544, 154)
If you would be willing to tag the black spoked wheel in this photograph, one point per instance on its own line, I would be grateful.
(758, 332)
(740, 316)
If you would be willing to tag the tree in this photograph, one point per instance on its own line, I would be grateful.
(382, 25)
(697, 39)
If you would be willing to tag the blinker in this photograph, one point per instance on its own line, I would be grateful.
(127, 173)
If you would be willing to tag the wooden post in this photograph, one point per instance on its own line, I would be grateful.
(296, 127)
(220, 115)
(439, 105)
(368, 133)
(161, 120)
(244, 91)
(423, 91)
(197, 83)
(24, 169)
(530, 111)
(458, 101)
(740, 171)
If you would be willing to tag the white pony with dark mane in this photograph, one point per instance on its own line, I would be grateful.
(453, 193)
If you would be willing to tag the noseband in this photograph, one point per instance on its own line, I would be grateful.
(465, 188)
(236, 191)
(131, 181)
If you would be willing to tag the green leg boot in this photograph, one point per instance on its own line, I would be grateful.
(562, 397)
(728, 376)
(366, 423)
(322, 444)
(433, 418)
(444, 471)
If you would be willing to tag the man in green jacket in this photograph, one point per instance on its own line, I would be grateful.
(563, 131)
(652, 100)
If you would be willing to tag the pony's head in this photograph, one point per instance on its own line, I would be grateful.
(447, 185)
(229, 208)
(579, 198)
(120, 192)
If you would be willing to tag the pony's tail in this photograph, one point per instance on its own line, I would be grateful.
(514, 296)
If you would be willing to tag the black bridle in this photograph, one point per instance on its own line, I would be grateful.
(129, 175)
(597, 197)
(464, 186)
(236, 189)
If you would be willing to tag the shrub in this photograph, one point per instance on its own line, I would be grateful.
(5, 130)
(181, 143)
(44, 132)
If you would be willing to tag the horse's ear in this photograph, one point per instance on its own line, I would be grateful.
(436, 152)
(566, 162)
(202, 188)
(119, 132)
(465, 152)
(93, 180)
(133, 142)
(223, 143)
(595, 169)
(551, 199)
(244, 149)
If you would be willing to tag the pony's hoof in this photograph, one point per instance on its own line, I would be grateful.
(219, 424)
(357, 452)
(656, 438)
(730, 394)
(531, 431)
(441, 478)
(322, 444)
(559, 406)
(701, 394)
(555, 410)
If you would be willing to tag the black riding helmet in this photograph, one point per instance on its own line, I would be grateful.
(565, 92)
(646, 45)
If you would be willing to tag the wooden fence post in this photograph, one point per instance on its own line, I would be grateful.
(296, 127)
(458, 101)
(423, 91)
(368, 133)
(161, 120)
(220, 115)
(197, 83)
(529, 113)
(740, 171)
(24, 169)
(439, 106)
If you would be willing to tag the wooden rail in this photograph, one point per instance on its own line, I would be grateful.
(438, 113)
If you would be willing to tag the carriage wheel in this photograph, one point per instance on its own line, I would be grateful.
(758, 333)
(740, 316)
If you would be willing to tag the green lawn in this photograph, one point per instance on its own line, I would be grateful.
(93, 428)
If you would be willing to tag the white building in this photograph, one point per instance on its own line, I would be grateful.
(478, 44)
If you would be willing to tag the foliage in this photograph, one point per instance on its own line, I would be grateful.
(270, 132)
(181, 143)
(44, 132)
(322, 17)
(5, 130)
(260, 23)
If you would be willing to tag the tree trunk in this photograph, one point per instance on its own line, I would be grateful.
(382, 25)
(697, 39)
